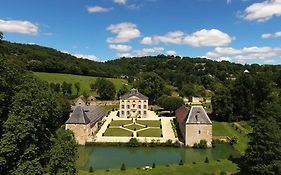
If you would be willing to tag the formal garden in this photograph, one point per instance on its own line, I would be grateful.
(134, 127)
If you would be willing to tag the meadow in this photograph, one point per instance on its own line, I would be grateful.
(84, 81)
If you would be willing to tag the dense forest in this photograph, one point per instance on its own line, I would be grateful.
(32, 140)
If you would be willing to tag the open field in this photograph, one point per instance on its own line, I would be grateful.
(151, 132)
(230, 129)
(84, 81)
(117, 132)
(200, 168)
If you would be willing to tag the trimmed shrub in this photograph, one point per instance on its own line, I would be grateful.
(123, 167)
(153, 165)
(206, 160)
(133, 142)
(91, 169)
(181, 162)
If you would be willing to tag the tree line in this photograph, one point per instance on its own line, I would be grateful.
(65, 88)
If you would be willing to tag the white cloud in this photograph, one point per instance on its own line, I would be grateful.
(224, 59)
(208, 38)
(269, 35)
(122, 2)
(262, 11)
(266, 35)
(169, 38)
(120, 47)
(124, 32)
(202, 38)
(97, 9)
(16, 26)
(89, 57)
(142, 52)
(246, 53)
(171, 52)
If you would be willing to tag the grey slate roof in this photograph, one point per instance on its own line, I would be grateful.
(198, 115)
(78, 116)
(85, 115)
(133, 92)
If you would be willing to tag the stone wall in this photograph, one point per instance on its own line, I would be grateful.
(80, 131)
(196, 132)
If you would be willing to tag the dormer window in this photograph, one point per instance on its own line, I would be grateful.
(196, 117)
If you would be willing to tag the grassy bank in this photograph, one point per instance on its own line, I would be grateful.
(199, 168)
(230, 129)
(84, 81)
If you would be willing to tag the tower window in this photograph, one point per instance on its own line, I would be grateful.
(199, 132)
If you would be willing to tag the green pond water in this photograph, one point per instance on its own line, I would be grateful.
(106, 157)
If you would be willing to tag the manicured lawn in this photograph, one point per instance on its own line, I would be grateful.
(151, 132)
(84, 81)
(149, 123)
(120, 122)
(200, 168)
(117, 132)
(134, 126)
(229, 129)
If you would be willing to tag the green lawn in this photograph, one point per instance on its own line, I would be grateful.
(120, 122)
(134, 126)
(84, 81)
(151, 132)
(200, 168)
(229, 129)
(117, 132)
(150, 123)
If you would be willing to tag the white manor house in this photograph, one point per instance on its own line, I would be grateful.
(133, 104)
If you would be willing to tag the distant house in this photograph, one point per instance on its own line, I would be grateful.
(83, 101)
(194, 124)
(83, 122)
(133, 104)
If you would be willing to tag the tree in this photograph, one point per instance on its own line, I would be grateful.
(124, 89)
(69, 88)
(170, 103)
(77, 87)
(151, 85)
(57, 87)
(264, 152)
(63, 153)
(133, 142)
(64, 87)
(52, 86)
(222, 104)
(105, 89)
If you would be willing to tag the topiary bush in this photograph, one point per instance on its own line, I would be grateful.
(206, 160)
(181, 162)
(123, 167)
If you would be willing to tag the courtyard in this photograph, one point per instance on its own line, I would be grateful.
(151, 128)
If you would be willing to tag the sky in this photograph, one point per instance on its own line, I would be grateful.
(240, 31)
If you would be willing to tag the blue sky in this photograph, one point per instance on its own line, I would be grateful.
(242, 31)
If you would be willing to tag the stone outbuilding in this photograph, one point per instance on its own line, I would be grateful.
(83, 122)
(195, 125)
(85, 101)
(133, 104)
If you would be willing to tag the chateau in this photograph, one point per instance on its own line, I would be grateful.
(133, 104)
(194, 124)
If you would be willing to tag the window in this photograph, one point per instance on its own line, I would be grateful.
(128, 106)
(122, 112)
(199, 132)
(134, 101)
(139, 106)
(122, 101)
(144, 106)
(144, 112)
(122, 106)
(134, 106)
(144, 101)
(139, 101)
(139, 112)
(128, 112)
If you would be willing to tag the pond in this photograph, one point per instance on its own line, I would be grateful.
(107, 157)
